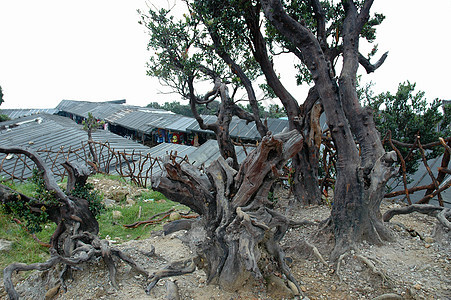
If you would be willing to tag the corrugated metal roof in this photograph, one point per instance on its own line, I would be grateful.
(52, 132)
(145, 121)
(18, 113)
(239, 128)
(101, 110)
(209, 151)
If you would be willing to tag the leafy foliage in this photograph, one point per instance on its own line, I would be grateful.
(407, 114)
(334, 13)
(185, 110)
(93, 197)
(1, 95)
(2, 117)
(189, 48)
(22, 209)
(91, 123)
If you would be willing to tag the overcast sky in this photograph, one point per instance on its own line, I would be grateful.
(95, 50)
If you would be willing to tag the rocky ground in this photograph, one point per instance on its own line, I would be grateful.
(416, 265)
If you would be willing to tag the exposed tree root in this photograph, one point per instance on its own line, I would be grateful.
(83, 253)
(173, 269)
(337, 269)
(441, 213)
(372, 267)
(75, 240)
(317, 253)
(238, 233)
(388, 297)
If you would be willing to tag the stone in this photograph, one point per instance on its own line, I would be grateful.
(130, 201)
(51, 293)
(119, 195)
(109, 202)
(417, 286)
(5, 245)
(174, 216)
(429, 240)
(117, 214)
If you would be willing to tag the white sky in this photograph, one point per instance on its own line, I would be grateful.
(95, 50)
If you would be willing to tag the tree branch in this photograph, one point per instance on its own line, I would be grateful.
(49, 180)
(370, 67)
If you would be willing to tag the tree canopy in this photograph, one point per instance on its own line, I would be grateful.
(406, 115)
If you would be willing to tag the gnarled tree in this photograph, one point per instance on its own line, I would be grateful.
(363, 166)
(361, 174)
(236, 239)
(75, 239)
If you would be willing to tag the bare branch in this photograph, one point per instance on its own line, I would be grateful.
(365, 62)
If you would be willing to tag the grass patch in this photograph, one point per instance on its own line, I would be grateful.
(26, 250)
(114, 228)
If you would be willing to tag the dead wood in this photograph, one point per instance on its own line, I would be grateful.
(174, 269)
(442, 214)
(236, 237)
(75, 239)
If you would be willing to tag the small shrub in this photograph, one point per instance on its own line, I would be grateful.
(93, 197)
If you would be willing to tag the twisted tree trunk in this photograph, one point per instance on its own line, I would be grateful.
(236, 237)
(360, 178)
(75, 239)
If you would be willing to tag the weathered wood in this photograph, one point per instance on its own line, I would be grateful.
(236, 227)
(77, 174)
(75, 239)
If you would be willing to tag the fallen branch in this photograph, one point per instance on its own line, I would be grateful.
(150, 220)
(164, 215)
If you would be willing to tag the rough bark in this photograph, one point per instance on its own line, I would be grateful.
(305, 164)
(225, 114)
(236, 237)
(356, 198)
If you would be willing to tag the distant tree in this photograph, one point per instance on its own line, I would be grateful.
(1, 95)
(185, 109)
(2, 116)
(406, 115)
(90, 124)
(154, 105)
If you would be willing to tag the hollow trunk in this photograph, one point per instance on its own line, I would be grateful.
(236, 237)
